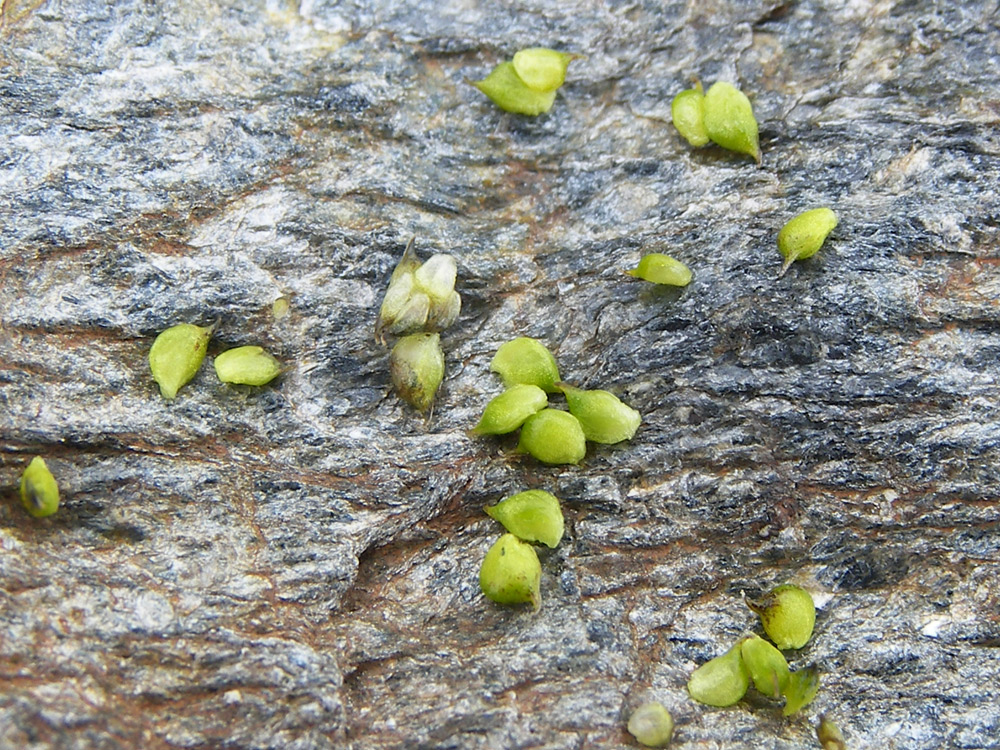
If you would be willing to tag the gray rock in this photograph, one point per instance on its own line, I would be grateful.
(295, 566)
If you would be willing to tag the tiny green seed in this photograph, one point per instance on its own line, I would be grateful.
(247, 365)
(721, 681)
(416, 365)
(532, 516)
(509, 92)
(176, 355)
(526, 361)
(729, 120)
(804, 235)
(39, 490)
(604, 418)
(829, 735)
(511, 573)
(553, 437)
(507, 412)
(788, 615)
(801, 689)
(652, 725)
(281, 307)
(542, 69)
(767, 666)
(662, 269)
(687, 111)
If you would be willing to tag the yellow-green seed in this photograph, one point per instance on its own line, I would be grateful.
(281, 307)
(511, 573)
(721, 681)
(511, 94)
(506, 412)
(532, 516)
(526, 361)
(804, 235)
(542, 69)
(788, 615)
(420, 297)
(602, 415)
(553, 437)
(176, 355)
(829, 735)
(652, 725)
(766, 665)
(247, 365)
(687, 111)
(801, 689)
(729, 120)
(39, 489)
(416, 365)
(662, 269)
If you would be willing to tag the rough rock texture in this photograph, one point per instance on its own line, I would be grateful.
(296, 566)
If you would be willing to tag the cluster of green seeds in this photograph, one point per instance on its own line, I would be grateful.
(527, 84)
(511, 572)
(723, 116)
(787, 615)
(552, 436)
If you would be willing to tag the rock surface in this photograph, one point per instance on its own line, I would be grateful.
(295, 566)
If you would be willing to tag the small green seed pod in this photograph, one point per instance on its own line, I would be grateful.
(281, 307)
(553, 437)
(176, 355)
(788, 615)
(509, 92)
(766, 665)
(511, 573)
(526, 361)
(416, 365)
(804, 235)
(687, 111)
(247, 365)
(661, 269)
(801, 689)
(721, 681)
(506, 412)
(39, 490)
(829, 735)
(604, 418)
(652, 725)
(542, 69)
(729, 120)
(532, 516)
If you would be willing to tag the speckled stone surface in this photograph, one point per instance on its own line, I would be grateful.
(295, 566)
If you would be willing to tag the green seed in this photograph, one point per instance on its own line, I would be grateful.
(787, 614)
(532, 516)
(511, 573)
(553, 437)
(509, 92)
(766, 665)
(39, 490)
(176, 355)
(604, 418)
(829, 735)
(804, 235)
(687, 111)
(417, 368)
(420, 297)
(721, 681)
(526, 361)
(652, 725)
(662, 269)
(247, 365)
(541, 69)
(281, 307)
(801, 689)
(507, 412)
(729, 120)
(436, 277)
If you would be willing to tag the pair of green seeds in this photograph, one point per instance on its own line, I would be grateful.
(176, 356)
(724, 116)
(552, 436)
(527, 84)
(788, 616)
(511, 572)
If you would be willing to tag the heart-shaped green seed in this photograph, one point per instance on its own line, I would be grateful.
(511, 573)
(176, 355)
(508, 411)
(553, 437)
(532, 516)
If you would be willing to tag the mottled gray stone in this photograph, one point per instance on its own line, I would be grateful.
(296, 566)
